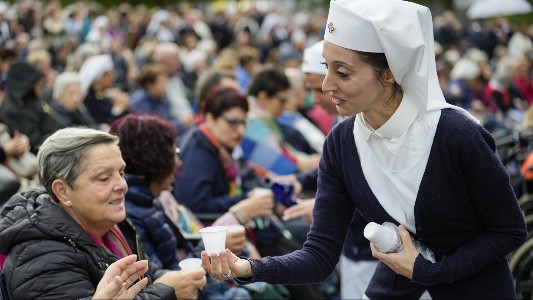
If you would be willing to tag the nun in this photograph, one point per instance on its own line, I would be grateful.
(104, 103)
(403, 156)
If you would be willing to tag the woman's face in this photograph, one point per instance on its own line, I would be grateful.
(158, 89)
(107, 80)
(229, 127)
(275, 104)
(71, 97)
(97, 196)
(314, 83)
(352, 84)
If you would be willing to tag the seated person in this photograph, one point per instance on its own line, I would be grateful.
(214, 181)
(148, 173)
(104, 103)
(264, 143)
(68, 102)
(60, 240)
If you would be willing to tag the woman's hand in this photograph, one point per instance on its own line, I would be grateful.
(226, 265)
(258, 204)
(115, 284)
(304, 209)
(185, 283)
(17, 145)
(291, 179)
(235, 241)
(402, 262)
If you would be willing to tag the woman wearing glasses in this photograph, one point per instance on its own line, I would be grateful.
(212, 181)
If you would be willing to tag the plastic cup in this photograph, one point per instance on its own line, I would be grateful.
(214, 239)
(259, 192)
(235, 228)
(190, 263)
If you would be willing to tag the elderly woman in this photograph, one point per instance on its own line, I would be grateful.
(150, 173)
(59, 241)
(68, 100)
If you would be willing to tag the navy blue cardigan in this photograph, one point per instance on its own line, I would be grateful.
(203, 186)
(465, 211)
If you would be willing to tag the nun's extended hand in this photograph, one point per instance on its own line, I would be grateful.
(402, 262)
(226, 265)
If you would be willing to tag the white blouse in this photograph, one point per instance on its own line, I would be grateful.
(394, 157)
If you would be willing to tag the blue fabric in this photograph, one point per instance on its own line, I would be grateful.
(243, 78)
(204, 188)
(142, 103)
(296, 139)
(308, 180)
(99, 107)
(262, 147)
(146, 213)
(466, 213)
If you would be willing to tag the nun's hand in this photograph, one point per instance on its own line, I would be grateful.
(402, 262)
(226, 265)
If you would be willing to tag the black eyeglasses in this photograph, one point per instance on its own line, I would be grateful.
(235, 122)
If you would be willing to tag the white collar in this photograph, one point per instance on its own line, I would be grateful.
(397, 124)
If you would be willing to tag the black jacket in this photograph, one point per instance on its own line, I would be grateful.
(22, 110)
(50, 256)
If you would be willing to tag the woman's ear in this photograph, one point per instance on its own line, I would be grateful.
(262, 98)
(208, 118)
(62, 192)
(389, 78)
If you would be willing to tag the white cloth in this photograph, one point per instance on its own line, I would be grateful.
(176, 94)
(312, 61)
(394, 157)
(93, 69)
(355, 276)
(404, 30)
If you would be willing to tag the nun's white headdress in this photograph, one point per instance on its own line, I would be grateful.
(93, 69)
(313, 58)
(403, 31)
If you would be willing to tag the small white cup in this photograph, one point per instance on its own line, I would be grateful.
(214, 239)
(259, 192)
(190, 263)
(235, 228)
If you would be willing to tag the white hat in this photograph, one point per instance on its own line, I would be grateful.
(92, 69)
(3, 7)
(466, 69)
(403, 31)
(313, 58)
(62, 81)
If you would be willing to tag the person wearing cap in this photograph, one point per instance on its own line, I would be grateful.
(103, 103)
(356, 262)
(403, 156)
(68, 101)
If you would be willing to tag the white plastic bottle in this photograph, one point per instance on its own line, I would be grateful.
(387, 239)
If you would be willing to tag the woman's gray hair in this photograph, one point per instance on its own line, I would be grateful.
(62, 81)
(61, 154)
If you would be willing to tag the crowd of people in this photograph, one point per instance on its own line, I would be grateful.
(125, 130)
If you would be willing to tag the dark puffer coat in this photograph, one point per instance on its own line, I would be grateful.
(22, 110)
(50, 256)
